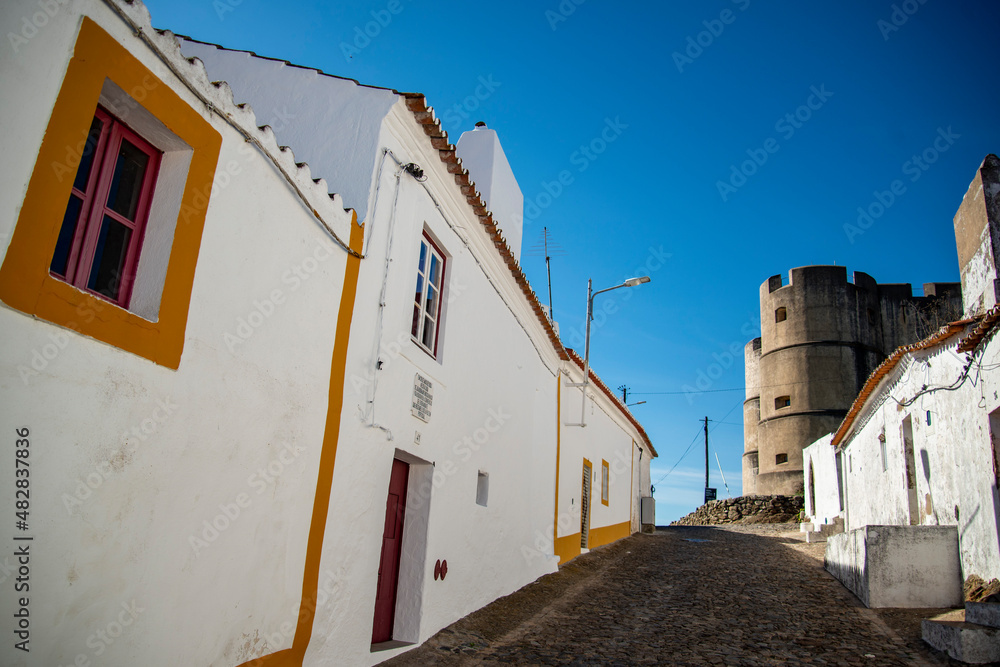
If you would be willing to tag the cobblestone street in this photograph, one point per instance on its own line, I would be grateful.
(686, 596)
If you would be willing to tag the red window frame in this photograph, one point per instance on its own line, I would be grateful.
(428, 249)
(95, 207)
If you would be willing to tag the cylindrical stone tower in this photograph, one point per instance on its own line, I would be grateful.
(751, 416)
(820, 339)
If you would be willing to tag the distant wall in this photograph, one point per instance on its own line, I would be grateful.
(821, 337)
(977, 235)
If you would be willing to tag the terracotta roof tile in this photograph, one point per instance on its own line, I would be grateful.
(416, 103)
(944, 333)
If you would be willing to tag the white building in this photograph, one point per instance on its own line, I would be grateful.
(921, 444)
(253, 404)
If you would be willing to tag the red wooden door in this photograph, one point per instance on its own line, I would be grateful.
(388, 564)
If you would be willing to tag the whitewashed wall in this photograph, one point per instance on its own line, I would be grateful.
(955, 483)
(822, 486)
(493, 410)
(129, 459)
(607, 436)
(296, 100)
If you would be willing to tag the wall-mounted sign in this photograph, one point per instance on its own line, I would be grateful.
(423, 396)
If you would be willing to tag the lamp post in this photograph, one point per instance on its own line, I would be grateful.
(631, 282)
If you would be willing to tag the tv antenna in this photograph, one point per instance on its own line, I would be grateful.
(549, 249)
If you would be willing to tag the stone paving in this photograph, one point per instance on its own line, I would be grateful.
(685, 596)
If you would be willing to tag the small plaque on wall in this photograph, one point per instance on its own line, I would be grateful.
(423, 396)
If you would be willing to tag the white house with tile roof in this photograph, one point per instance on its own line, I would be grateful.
(483, 448)
(174, 314)
(920, 446)
(236, 405)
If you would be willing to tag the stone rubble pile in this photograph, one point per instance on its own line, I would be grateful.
(745, 509)
(979, 590)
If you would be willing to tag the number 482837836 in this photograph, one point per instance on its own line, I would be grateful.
(21, 473)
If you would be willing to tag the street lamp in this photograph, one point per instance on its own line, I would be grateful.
(631, 282)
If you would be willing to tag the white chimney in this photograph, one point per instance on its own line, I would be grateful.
(483, 156)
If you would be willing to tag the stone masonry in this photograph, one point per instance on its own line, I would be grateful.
(746, 509)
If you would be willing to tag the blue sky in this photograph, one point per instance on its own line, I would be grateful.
(716, 143)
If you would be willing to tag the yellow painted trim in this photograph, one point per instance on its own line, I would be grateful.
(294, 656)
(608, 534)
(590, 502)
(555, 518)
(631, 485)
(567, 548)
(25, 283)
(605, 491)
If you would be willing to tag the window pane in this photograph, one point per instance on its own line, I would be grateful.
(420, 288)
(432, 301)
(61, 256)
(108, 269)
(428, 337)
(421, 265)
(87, 159)
(415, 328)
(126, 185)
(433, 277)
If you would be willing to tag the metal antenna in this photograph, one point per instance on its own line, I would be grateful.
(547, 248)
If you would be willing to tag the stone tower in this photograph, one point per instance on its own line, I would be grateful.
(751, 417)
(821, 337)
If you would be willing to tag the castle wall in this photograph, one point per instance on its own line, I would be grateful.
(821, 337)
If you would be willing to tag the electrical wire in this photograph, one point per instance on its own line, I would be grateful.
(667, 474)
(686, 451)
(712, 391)
(247, 136)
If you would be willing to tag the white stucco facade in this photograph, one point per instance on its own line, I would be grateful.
(482, 154)
(165, 503)
(920, 446)
(940, 440)
(819, 465)
(210, 465)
